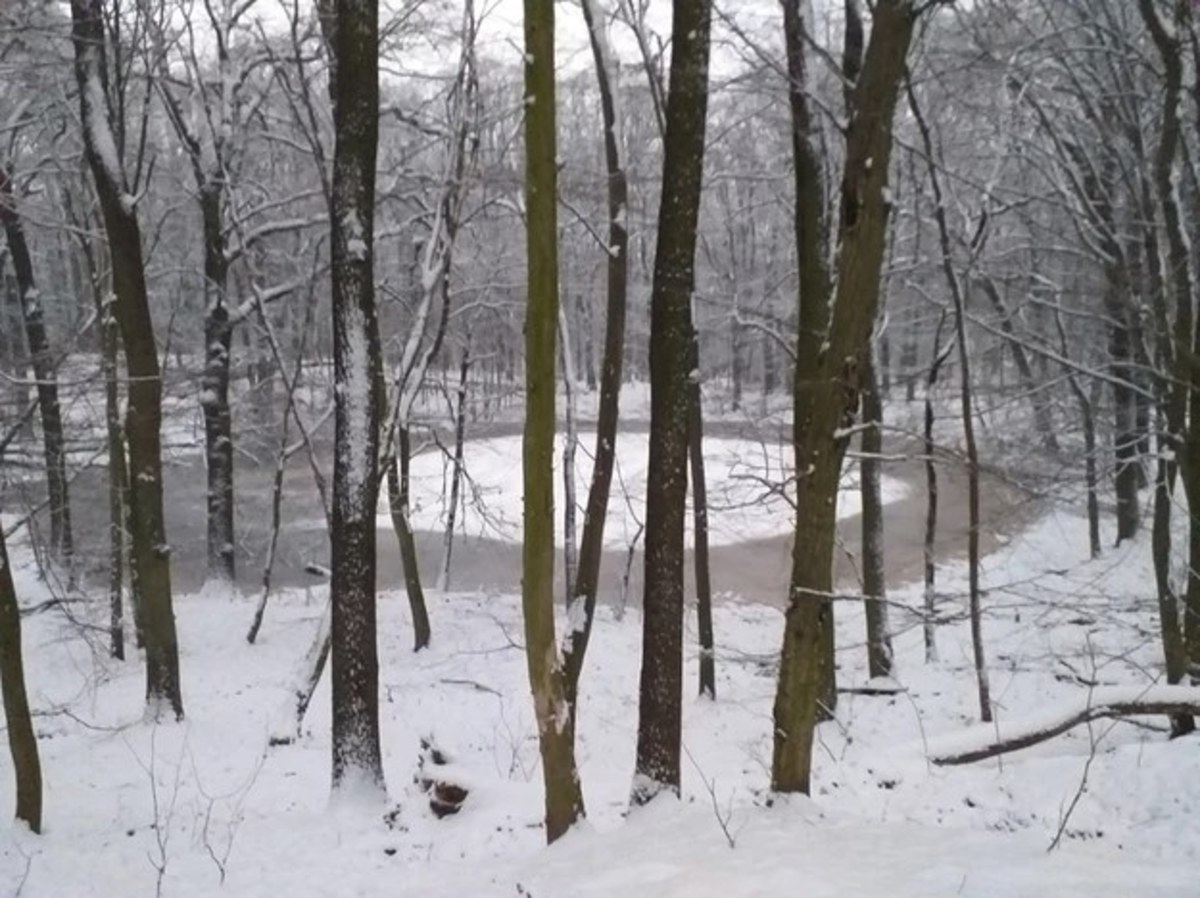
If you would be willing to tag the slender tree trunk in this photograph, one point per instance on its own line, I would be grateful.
(21, 739)
(456, 475)
(547, 674)
(957, 293)
(704, 610)
(931, 493)
(570, 444)
(398, 503)
(879, 641)
(61, 541)
(591, 545)
(1125, 437)
(352, 32)
(214, 394)
(671, 361)
(1043, 420)
(151, 570)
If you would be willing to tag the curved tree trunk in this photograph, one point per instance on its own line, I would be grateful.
(591, 545)
(151, 570)
(21, 739)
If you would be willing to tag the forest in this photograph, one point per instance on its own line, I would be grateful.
(599, 448)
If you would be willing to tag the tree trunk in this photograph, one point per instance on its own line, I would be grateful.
(704, 611)
(931, 493)
(879, 641)
(957, 293)
(214, 393)
(151, 570)
(456, 475)
(671, 362)
(570, 444)
(357, 763)
(825, 404)
(21, 739)
(61, 541)
(547, 675)
(591, 545)
(398, 501)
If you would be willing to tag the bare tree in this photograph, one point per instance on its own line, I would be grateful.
(150, 551)
(21, 739)
(352, 34)
(825, 403)
(672, 356)
(547, 672)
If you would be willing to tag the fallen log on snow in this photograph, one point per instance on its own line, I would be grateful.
(988, 740)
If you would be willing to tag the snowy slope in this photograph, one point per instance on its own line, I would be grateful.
(883, 821)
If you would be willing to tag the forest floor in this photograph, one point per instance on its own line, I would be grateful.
(208, 808)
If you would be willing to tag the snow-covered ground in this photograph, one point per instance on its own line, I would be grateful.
(746, 482)
(214, 809)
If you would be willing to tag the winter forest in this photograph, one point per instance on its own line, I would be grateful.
(599, 448)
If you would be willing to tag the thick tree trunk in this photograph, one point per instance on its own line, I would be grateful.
(151, 570)
(879, 641)
(671, 361)
(61, 540)
(357, 762)
(21, 739)
(827, 403)
(547, 674)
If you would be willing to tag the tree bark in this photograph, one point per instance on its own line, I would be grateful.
(672, 339)
(357, 763)
(21, 739)
(456, 475)
(547, 674)
(214, 392)
(826, 404)
(931, 494)
(591, 544)
(957, 294)
(703, 580)
(398, 504)
(879, 641)
(61, 540)
(151, 570)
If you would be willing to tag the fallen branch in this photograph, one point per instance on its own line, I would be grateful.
(988, 741)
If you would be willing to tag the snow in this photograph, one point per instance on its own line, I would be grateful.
(745, 489)
(227, 815)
